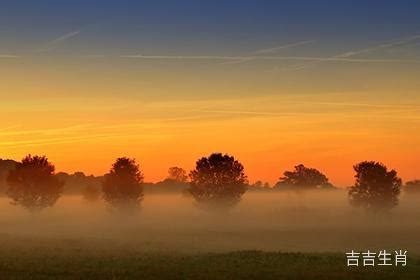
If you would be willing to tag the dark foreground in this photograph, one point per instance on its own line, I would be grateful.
(28, 264)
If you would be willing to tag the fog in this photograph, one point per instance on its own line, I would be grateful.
(316, 221)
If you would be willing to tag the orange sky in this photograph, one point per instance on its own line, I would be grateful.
(85, 111)
(268, 133)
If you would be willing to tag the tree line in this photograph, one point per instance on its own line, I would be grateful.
(217, 181)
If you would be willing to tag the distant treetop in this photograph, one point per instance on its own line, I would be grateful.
(303, 178)
(177, 174)
(412, 186)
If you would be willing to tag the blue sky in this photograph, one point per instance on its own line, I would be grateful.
(227, 25)
(264, 12)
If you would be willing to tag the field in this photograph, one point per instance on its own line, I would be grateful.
(268, 236)
(74, 263)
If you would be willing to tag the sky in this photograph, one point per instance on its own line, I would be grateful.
(274, 83)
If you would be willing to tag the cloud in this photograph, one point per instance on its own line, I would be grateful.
(275, 49)
(65, 37)
(9, 131)
(52, 44)
(372, 105)
(272, 58)
(378, 47)
(9, 128)
(8, 56)
(343, 57)
(243, 112)
(269, 51)
(351, 54)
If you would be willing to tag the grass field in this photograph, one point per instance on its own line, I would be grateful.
(79, 264)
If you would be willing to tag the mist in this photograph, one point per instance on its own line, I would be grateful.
(311, 221)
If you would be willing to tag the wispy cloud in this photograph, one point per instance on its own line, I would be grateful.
(65, 37)
(54, 43)
(255, 55)
(379, 47)
(270, 51)
(372, 105)
(11, 131)
(262, 55)
(8, 56)
(235, 58)
(351, 54)
(287, 46)
(388, 110)
(244, 112)
(9, 128)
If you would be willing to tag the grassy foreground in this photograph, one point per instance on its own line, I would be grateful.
(29, 264)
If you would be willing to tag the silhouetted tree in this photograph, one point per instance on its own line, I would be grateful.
(260, 186)
(375, 188)
(303, 178)
(218, 180)
(412, 186)
(75, 184)
(166, 186)
(33, 184)
(177, 174)
(6, 165)
(122, 187)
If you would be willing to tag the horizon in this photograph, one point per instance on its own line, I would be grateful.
(272, 185)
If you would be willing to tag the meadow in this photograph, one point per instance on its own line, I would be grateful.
(73, 263)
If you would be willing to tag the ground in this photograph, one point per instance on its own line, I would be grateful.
(78, 263)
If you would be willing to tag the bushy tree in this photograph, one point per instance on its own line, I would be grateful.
(218, 180)
(33, 184)
(303, 178)
(375, 188)
(122, 186)
(177, 174)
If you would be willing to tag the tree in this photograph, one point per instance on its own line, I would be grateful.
(33, 184)
(6, 165)
(303, 178)
(259, 186)
(412, 186)
(122, 186)
(218, 180)
(177, 174)
(375, 188)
